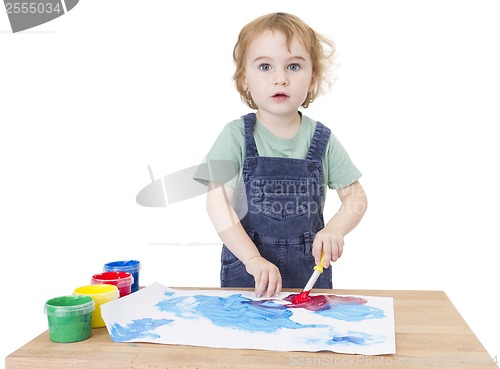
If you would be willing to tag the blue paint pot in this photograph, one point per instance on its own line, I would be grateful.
(129, 266)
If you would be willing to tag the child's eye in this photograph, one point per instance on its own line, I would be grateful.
(265, 67)
(294, 67)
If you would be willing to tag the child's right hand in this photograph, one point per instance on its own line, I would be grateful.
(267, 276)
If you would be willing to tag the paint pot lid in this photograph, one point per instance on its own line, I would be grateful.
(98, 292)
(130, 266)
(63, 306)
(119, 279)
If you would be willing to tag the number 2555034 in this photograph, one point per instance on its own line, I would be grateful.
(32, 8)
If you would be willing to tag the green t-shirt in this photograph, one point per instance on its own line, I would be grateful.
(228, 154)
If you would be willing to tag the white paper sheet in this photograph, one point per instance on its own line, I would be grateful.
(236, 319)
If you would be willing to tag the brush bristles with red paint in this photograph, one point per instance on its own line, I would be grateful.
(304, 295)
(301, 297)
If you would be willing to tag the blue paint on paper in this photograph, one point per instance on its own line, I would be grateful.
(140, 328)
(353, 338)
(169, 293)
(235, 311)
(242, 313)
(352, 312)
(348, 339)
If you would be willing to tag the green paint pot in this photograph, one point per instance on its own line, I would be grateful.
(70, 318)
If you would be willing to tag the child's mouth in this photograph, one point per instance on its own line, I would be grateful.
(280, 96)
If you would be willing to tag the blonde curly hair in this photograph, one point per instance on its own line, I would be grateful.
(320, 48)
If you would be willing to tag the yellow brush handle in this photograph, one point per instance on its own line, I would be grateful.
(319, 267)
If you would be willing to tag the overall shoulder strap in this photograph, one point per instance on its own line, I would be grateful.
(319, 142)
(250, 146)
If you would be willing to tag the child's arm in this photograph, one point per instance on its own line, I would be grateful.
(267, 276)
(331, 238)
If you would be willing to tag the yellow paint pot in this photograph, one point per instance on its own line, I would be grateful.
(101, 294)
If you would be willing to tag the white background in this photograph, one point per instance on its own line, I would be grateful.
(90, 99)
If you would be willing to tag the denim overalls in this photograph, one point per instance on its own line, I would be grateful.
(280, 207)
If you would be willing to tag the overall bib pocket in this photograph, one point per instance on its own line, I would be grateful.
(279, 199)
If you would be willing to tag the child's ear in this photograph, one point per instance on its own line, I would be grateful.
(313, 82)
(243, 82)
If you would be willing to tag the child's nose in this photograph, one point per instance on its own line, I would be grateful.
(280, 78)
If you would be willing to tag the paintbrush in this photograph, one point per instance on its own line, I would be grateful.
(304, 295)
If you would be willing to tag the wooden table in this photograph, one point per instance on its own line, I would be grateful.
(430, 333)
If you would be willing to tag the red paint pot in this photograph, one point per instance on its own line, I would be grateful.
(122, 280)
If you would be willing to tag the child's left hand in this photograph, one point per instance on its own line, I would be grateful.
(331, 241)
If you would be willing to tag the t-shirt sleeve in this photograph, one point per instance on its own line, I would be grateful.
(340, 170)
(223, 162)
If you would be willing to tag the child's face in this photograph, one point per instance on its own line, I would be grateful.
(277, 78)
